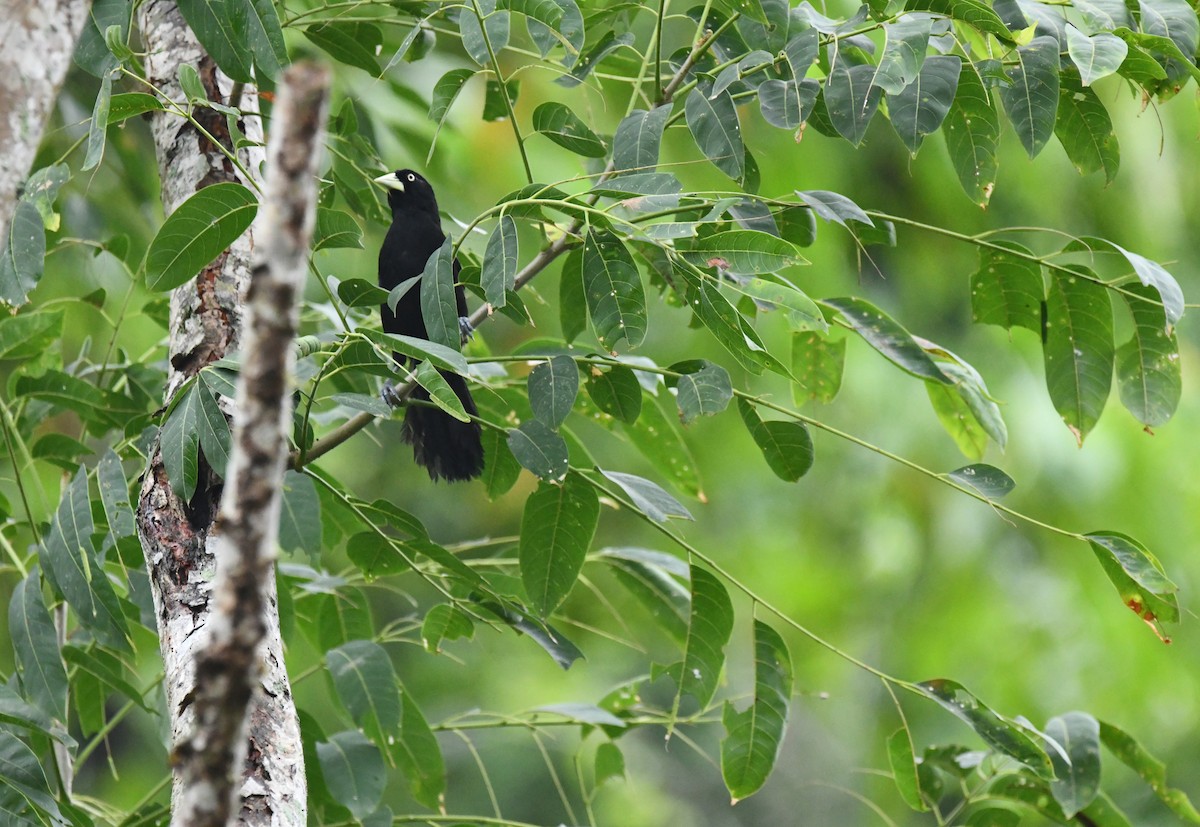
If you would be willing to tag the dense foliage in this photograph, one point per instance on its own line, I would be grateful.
(636, 146)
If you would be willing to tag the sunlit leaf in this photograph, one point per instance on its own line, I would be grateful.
(1076, 783)
(1148, 365)
(1138, 576)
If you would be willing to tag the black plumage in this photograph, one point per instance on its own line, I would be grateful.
(446, 447)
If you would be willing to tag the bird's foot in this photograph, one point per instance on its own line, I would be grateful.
(465, 329)
(389, 396)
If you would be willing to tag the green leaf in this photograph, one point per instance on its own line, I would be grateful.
(1097, 55)
(500, 468)
(713, 123)
(212, 429)
(300, 515)
(654, 579)
(904, 768)
(1133, 755)
(440, 392)
(817, 364)
(418, 756)
(572, 299)
(802, 312)
(105, 668)
(998, 732)
(28, 335)
(336, 229)
(648, 497)
(637, 140)
(562, 126)
(556, 530)
(354, 772)
(609, 763)
(1085, 130)
(975, 13)
(988, 480)
(1139, 577)
(92, 52)
(744, 251)
(417, 348)
(1008, 290)
(715, 312)
(709, 627)
(1079, 350)
(1075, 784)
(554, 642)
(23, 257)
(616, 392)
(1148, 365)
(438, 305)
(444, 93)
(21, 771)
(659, 441)
(500, 261)
(219, 25)
(128, 105)
(376, 555)
(612, 284)
(114, 494)
(1031, 98)
(1173, 21)
(606, 45)
(15, 711)
(353, 44)
(887, 336)
(99, 125)
(366, 686)
(920, 108)
(753, 737)
(969, 397)
(341, 617)
(703, 389)
(474, 39)
(786, 446)
(265, 36)
(1150, 273)
(972, 131)
(539, 449)
(553, 386)
(198, 231)
(905, 42)
(179, 439)
(833, 207)
(35, 644)
(69, 559)
(851, 100)
(444, 621)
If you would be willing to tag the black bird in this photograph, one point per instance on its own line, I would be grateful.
(446, 447)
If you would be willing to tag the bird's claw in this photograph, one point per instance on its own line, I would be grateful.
(389, 396)
(465, 329)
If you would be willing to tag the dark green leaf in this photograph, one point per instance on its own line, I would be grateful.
(1133, 755)
(179, 439)
(1139, 577)
(713, 122)
(366, 685)
(342, 617)
(753, 736)
(649, 497)
(23, 257)
(1150, 273)
(363, 293)
(851, 100)
(817, 364)
(997, 731)
(444, 621)
(659, 441)
(743, 251)
(69, 558)
(353, 771)
(418, 756)
(972, 131)
(27, 335)
(1077, 783)
(500, 261)
(988, 480)
(220, 27)
(787, 103)
(904, 768)
(553, 386)
(131, 104)
(709, 627)
(704, 391)
(35, 644)
(300, 515)
(353, 44)
(554, 642)
(335, 229)
(1085, 130)
(20, 770)
(539, 449)
(716, 313)
(636, 143)
(438, 306)
(786, 446)
(556, 530)
(105, 668)
(887, 336)
(212, 429)
(616, 392)
(378, 556)
(562, 126)
(1148, 365)
(481, 41)
(265, 37)
(1008, 290)
(612, 284)
(1079, 350)
(440, 392)
(920, 108)
(444, 93)
(1031, 98)
(572, 299)
(974, 13)
(906, 41)
(114, 494)
(198, 231)
(99, 125)
(92, 52)
(606, 45)
(500, 468)
(654, 579)
(833, 206)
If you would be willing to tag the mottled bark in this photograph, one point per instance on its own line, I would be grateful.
(228, 663)
(37, 39)
(177, 536)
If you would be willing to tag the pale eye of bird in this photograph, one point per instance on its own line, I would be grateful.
(412, 177)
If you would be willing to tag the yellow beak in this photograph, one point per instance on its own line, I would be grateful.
(389, 180)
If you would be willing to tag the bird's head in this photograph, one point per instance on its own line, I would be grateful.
(407, 190)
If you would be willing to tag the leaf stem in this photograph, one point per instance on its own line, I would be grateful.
(500, 79)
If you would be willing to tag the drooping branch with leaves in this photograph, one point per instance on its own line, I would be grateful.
(641, 138)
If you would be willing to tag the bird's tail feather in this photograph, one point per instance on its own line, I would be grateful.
(447, 448)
